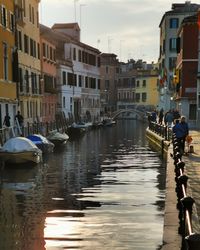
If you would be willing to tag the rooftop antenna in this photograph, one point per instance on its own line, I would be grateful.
(98, 42)
(109, 44)
(81, 6)
(120, 49)
(75, 1)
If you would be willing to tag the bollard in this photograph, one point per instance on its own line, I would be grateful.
(191, 149)
(180, 166)
(183, 180)
(193, 241)
(188, 203)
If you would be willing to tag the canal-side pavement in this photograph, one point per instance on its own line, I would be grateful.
(192, 170)
(172, 240)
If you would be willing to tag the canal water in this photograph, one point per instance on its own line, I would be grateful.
(104, 191)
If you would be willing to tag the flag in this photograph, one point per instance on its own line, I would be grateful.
(163, 76)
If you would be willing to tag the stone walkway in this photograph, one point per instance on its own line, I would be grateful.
(192, 170)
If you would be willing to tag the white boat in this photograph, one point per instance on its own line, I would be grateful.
(108, 122)
(20, 150)
(58, 138)
(82, 125)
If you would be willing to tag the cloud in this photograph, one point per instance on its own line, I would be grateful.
(135, 22)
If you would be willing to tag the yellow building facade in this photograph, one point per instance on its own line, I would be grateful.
(146, 91)
(28, 44)
(8, 94)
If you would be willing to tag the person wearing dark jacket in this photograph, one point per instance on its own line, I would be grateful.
(6, 121)
(181, 130)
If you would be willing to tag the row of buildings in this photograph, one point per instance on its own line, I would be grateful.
(179, 60)
(46, 71)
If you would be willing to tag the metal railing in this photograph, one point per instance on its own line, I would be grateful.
(162, 130)
(32, 128)
(190, 239)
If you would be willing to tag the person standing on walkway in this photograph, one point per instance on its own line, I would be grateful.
(169, 118)
(185, 131)
(20, 119)
(6, 121)
(181, 130)
(154, 116)
(160, 117)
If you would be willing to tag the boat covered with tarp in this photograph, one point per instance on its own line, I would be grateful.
(58, 138)
(42, 143)
(20, 150)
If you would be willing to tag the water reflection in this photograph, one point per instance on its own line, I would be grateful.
(104, 191)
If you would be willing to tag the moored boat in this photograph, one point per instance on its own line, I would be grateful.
(57, 138)
(75, 132)
(42, 143)
(108, 122)
(20, 150)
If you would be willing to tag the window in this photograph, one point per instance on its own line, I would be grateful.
(30, 14)
(172, 44)
(144, 97)
(80, 81)
(173, 23)
(79, 55)
(31, 47)
(63, 101)
(172, 63)
(4, 17)
(20, 80)
(12, 25)
(34, 49)
(98, 61)
(47, 50)
(44, 49)
(119, 96)
(37, 16)
(0, 117)
(70, 79)
(107, 84)
(64, 78)
(99, 82)
(54, 55)
(5, 61)
(74, 54)
(27, 81)
(144, 83)
(198, 99)
(192, 111)
(33, 19)
(138, 83)
(51, 54)
(19, 40)
(137, 97)
(24, 7)
(26, 47)
(38, 50)
(86, 82)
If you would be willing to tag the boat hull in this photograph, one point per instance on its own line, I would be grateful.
(21, 157)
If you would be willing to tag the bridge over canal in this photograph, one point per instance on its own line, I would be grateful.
(137, 114)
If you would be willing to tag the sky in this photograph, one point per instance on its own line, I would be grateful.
(127, 28)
